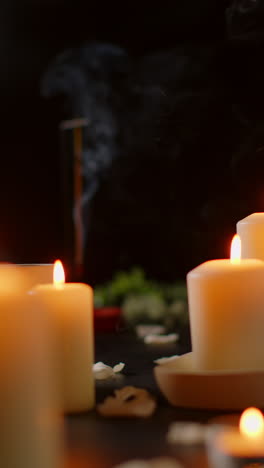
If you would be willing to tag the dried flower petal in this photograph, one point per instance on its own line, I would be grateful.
(161, 339)
(102, 371)
(118, 367)
(128, 402)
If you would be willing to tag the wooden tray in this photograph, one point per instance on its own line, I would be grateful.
(185, 386)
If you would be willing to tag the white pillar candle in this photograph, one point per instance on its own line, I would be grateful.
(251, 232)
(29, 427)
(41, 273)
(226, 307)
(70, 309)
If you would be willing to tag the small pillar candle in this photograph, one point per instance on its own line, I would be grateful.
(30, 431)
(238, 447)
(70, 310)
(226, 307)
(251, 232)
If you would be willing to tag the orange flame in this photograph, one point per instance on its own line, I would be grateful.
(235, 253)
(58, 274)
(251, 423)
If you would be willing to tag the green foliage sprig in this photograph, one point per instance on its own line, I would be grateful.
(143, 300)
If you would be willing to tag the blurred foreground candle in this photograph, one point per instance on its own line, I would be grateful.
(29, 426)
(39, 273)
(226, 306)
(251, 232)
(239, 447)
(70, 309)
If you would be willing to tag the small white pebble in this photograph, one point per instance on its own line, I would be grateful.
(101, 371)
(163, 360)
(187, 433)
(161, 339)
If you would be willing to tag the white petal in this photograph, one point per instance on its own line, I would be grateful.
(102, 371)
(161, 339)
(118, 367)
(144, 330)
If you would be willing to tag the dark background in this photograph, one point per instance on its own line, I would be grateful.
(32, 33)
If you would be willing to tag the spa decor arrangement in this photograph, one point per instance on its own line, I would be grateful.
(47, 353)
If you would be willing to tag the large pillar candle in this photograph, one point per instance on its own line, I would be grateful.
(226, 306)
(70, 310)
(29, 427)
(251, 232)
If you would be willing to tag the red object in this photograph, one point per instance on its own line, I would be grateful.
(107, 319)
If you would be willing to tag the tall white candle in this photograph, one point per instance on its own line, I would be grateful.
(70, 310)
(251, 232)
(29, 427)
(226, 306)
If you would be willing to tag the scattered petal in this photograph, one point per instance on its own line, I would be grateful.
(160, 462)
(102, 371)
(128, 402)
(144, 330)
(187, 433)
(163, 360)
(118, 367)
(161, 339)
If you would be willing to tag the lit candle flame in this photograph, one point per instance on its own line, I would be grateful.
(58, 274)
(251, 423)
(235, 254)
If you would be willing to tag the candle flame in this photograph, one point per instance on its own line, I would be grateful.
(58, 273)
(235, 254)
(251, 423)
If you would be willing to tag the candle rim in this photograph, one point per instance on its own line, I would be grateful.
(213, 267)
(253, 218)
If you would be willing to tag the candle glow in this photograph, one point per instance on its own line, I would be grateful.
(235, 251)
(251, 424)
(58, 274)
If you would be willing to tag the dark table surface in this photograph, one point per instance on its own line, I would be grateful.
(97, 442)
